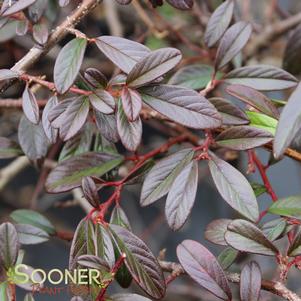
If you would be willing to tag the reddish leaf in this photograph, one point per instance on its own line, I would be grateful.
(254, 98)
(250, 282)
(122, 52)
(246, 237)
(131, 103)
(130, 132)
(181, 4)
(262, 77)
(215, 231)
(235, 38)
(219, 22)
(50, 132)
(243, 137)
(203, 267)
(153, 66)
(182, 105)
(90, 191)
(181, 197)
(107, 125)
(30, 106)
(96, 78)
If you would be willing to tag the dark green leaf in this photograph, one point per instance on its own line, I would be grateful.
(246, 237)
(69, 173)
(227, 257)
(68, 63)
(182, 105)
(262, 121)
(203, 268)
(234, 188)
(259, 189)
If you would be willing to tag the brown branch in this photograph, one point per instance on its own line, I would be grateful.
(36, 52)
(271, 32)
(274, 287)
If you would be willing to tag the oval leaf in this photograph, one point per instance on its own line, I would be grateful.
(235, 38)
(122, 52)
(140, 261)
(68, 63)
(50, 132)
(250, 282)
(90, 191)
(246, 237)
(68, 174)
(215, 231)
(161, 177)
(234, 188)
(289, 124)
(203, 268)
(131, 103)
(153, 66)
(219, 22)
(29, 235)
(182, 105)
(181, 197)
(30, 106)
(243, 138)
(290, 207)
(102, 101)
(262, 77)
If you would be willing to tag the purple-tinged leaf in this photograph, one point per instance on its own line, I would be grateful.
(261, 77)
(9, 148)
(289, 206)
(130, 132)
(181, 4)
(8, 74)
(64, 3)
(246, 237)
(55, 115)
(182, 105)
(68, 63)
(250, 282)
(153, 66)
(9, 245)
(215, 231)
(93, 262)
(194, 77)
(219, 22)
(289, 124)
(140, 261)
(96, 78)
(22, 27)
(234, 188)
(32, 139)
(50, 131)
(129, 297)
(231, 114)
(118, 217)
(254, 98)
(31, 235)
(107, 125)
(159, 180)
(68, 174)
(235, 38)
(202, 267)
(292, 58)
(295, 247)
(122, 52)
(90, 191)
(40, 33)
(73, 118)
(131, 103)
(16, 7)
(102, 101)
(274, 228)
(243, 137)
(181, 196)
(79, 243)
(30, 106)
